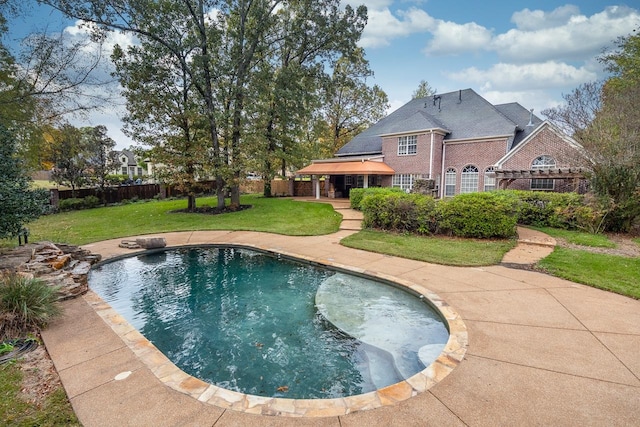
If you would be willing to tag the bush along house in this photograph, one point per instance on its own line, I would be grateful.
(461, 143)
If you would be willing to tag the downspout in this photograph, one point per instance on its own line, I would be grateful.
(431, 158)
(444, 151)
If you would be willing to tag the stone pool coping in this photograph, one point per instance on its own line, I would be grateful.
(173, 377)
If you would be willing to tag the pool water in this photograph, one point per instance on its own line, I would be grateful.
(260, 324)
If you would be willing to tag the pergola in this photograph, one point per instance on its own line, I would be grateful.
(506, 177)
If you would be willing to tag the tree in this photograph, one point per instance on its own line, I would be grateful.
(101, 158)
(288, 87)
(424, 90)
(185, 37)
(165, 113)
(70, 158)
(217, 46)
(19, 204)
(350, 104)
(604, 119)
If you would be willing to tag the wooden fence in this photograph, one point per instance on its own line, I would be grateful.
(150, 191)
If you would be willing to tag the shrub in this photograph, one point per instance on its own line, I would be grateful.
(357, 194)
(25, 304)
(116, 179)
(75, 204)
(569, 211)
(71, 204)
(479, 215)
(398, 211)
(91, 201)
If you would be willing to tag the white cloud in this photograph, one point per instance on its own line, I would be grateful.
(580, 37)
(536, 99)
(452, 38)
(510, 77)
(112, 107)
(531, 20)
(383, 26)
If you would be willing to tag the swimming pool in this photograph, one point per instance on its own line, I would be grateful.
(226, 316)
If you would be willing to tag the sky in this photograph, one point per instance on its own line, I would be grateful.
(531, 52)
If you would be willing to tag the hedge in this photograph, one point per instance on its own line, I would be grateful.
(478, 215)
(357, 194)
(399, 211)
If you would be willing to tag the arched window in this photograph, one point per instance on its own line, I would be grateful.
(450, 183)
(543, 162)
(489, 180)
(469, 179)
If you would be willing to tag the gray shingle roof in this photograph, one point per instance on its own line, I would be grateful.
(519, 115)
(463, 114)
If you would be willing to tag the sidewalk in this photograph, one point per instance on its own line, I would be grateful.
(542, 350)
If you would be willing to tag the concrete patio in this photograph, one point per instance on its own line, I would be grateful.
(542, 350)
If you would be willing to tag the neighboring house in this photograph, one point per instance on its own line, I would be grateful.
(459, 140)
(127, 164)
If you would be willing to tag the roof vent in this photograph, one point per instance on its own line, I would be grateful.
(530, 118)
(437, 98)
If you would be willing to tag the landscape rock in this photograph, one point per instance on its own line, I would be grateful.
(63, 266)
(152, 242)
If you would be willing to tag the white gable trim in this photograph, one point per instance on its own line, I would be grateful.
(415, 132)
(478, 139)
(546, 124)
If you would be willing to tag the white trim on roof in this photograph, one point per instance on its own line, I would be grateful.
(546, 124)
(476, 139)
(412, 132)
(374, 158)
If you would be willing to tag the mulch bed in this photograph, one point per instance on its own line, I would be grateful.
(210, 210)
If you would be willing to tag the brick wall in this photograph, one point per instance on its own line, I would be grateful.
(481, 154)
(546, 142)
(417, 164)
(409, 164)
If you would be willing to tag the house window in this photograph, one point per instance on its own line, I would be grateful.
(139, 171)
(543, 163)
(360, 181)
(407, 145)
(469, 179)
(348, 180)
(124, 170)
(450, 183)
(404, 181)
(489, 181)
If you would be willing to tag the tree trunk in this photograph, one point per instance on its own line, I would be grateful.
(191, 202)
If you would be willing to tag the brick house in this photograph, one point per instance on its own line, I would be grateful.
(461, 142)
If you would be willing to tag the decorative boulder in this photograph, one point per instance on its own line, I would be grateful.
(152, 242)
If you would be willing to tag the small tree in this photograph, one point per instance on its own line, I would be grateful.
(101, 157)
(424, 90)
(70, 158)
(18, 203)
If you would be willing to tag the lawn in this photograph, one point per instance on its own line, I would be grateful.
(439, 250)
(578, 237)
(609, 272)
(273, 215)
(14, 411)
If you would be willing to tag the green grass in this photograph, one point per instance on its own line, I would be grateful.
(273, 215)
(637, 240)
(609, 272)
(15, 411)
(578, 237)
(47, 185)
(439, 250)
